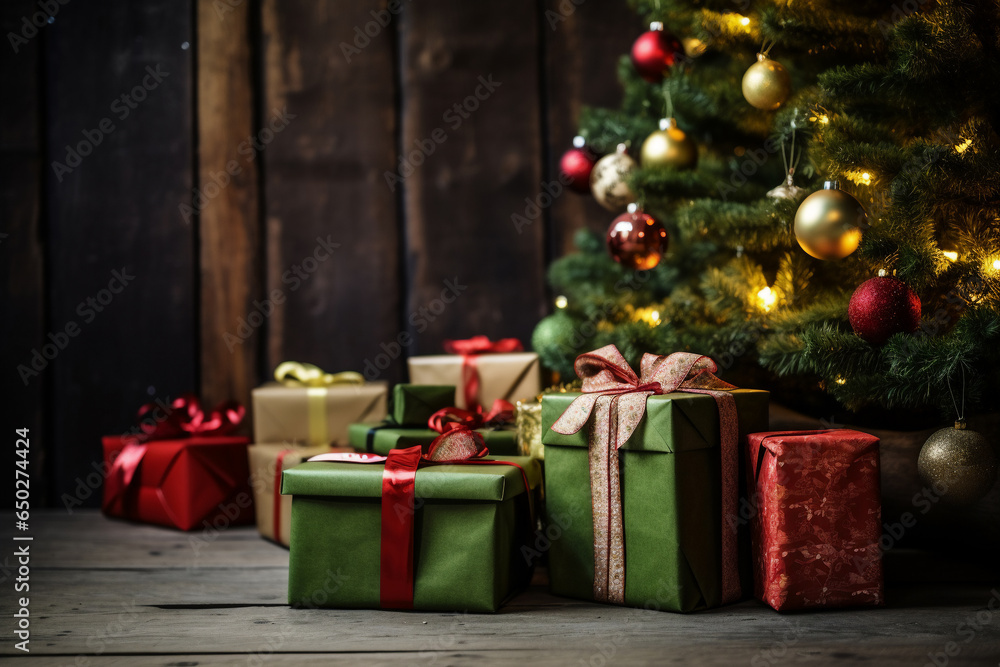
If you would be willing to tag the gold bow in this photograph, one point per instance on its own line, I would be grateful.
(298, 374)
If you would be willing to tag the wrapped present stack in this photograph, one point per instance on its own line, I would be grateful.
(182, 469)
(304, 412)
(446, 535)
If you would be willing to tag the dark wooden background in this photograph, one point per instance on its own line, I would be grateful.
(231, 65)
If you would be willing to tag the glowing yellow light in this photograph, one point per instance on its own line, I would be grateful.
(859, 177)
(996, 264)
(767, 298)
(745, 21)
(649, 315)
(820, 118)
(561, 301)
(840, 380)
(882, 273)
(950, 254)
(962, 147)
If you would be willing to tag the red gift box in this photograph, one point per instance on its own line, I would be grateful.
(817, 522)
(182, 482)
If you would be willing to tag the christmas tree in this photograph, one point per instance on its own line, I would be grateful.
(895, 102)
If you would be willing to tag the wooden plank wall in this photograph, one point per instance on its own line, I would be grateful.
(22, 308)
(304, 184)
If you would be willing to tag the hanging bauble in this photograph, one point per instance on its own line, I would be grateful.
(637, 240)
(958, 463)
(788, 189)
(882, 307)
(654, 52)
(609, 180)
(669, 146)
(576, 165)
(828, 223)
(766, 84)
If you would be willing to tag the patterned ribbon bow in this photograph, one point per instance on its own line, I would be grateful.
(470, 348)
(298, 374)
(617, 398)
(456, 446)
(184, 418)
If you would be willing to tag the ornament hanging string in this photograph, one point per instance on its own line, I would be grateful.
(765, 48)
(668, 102)
(791, 154)
(960, 413)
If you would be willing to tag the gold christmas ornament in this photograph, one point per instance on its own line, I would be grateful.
(960, 462)
(669, 146)
(828, 223)
(608, 180)
(766, 84)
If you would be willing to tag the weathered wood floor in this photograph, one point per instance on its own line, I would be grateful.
(111, 593)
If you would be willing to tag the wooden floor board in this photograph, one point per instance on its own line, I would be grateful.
(126, 594)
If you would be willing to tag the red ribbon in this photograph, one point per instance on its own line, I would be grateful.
(447, 419)
(184, 418)
(470, 348)
(617, 398)
(457, 446)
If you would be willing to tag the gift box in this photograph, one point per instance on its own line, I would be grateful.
(307, 412)
(480, 371)
(453, 544)
(641, 474)
(816, 519)
(413, 407)
(187, 483)
(381, 437)
(273, 510)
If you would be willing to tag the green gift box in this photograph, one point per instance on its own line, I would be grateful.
(413, 404)
(380, 437)
(671, 500)
(471, 522)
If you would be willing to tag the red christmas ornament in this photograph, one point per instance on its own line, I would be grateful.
(637, 240)
(576, 165)
(881, 307)
(655, 52)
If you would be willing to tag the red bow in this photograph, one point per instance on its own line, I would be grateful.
(183, 418)
(469, 348)
(617, 397)
(399, 503)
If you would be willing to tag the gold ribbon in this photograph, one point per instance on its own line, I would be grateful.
(316, 381)
(298, 374)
